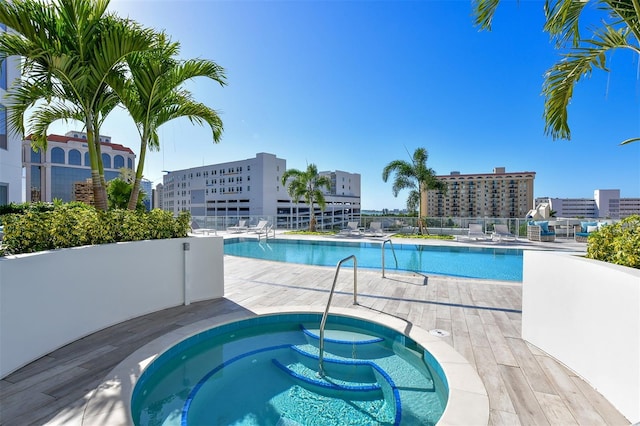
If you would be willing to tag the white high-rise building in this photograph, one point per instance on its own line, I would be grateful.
(606, 203)
(10, 143)
(252, 188)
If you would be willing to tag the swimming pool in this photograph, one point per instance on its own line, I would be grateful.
(263, 371)
(468, 262)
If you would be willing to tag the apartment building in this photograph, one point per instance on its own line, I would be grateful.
(606, 203)
(497, 194)
(10, 147)
(52, 174)
(253, 188)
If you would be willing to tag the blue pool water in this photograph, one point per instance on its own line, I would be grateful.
(264, 371)
(469, 262)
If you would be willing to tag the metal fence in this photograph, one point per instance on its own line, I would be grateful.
(564, 227)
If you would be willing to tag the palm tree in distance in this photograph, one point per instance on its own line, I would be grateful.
(153, 96)
(619, 29)
(307, 185)
(71, 48)
(416, 177)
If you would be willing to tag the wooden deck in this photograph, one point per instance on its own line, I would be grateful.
(525, 386)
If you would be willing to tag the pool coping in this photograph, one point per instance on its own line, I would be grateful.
(468, 401)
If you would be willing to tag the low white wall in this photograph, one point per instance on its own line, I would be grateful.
(586, 314)
(50, 299)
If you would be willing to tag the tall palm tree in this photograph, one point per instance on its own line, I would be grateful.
(153, 95)
(307, 185)
(619, 29)
(71, 48)
(416, 177)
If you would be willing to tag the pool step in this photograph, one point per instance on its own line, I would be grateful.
(346, 343)
(309, 378)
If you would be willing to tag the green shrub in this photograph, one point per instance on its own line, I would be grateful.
(618, 243)
(78, 224)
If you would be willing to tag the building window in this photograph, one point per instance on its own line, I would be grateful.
(75, 158)
(4, 194)
(118, 162)
(35, 156)
(3, 74)
(3, 126)
(87, 159)
(106, 161)
(57, 155)
(129, 163)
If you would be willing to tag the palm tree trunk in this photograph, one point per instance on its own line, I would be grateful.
(133, 199)
(97, 180)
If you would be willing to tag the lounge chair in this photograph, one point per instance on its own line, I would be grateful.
(375, 230)
(260, 228)
(476, 232)
(240, 227)
(540, 230)
(196, 229)
(351, 229)
(501, 232)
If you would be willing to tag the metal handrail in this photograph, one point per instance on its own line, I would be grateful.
(392, 251)
(326, 311)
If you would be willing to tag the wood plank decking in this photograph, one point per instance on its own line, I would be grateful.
(525, 386)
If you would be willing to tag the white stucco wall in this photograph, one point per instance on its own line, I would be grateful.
(586, 314)
(49, 299)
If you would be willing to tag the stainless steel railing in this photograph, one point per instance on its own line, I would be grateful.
(392, 251)
(326, 311)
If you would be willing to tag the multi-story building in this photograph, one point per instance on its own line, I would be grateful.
(497, 194)
(253, 188)
(10, 158)
(158, 194)
(51, 174)
(606, 203)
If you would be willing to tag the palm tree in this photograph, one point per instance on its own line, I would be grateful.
(619, 29)
(71, 49)
(153, 96)
(307, 185)
(416, 177)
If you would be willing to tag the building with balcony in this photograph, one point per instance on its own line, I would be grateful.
(252, 188)
(56, 172)
(497, 194)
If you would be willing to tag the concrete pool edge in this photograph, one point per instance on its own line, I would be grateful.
(468, 401)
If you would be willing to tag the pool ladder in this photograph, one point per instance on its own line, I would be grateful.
(392, 251)
(326, 311)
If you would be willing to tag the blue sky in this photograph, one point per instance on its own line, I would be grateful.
(352, 85)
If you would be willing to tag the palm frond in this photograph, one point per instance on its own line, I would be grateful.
(483, 11)
(562, 77)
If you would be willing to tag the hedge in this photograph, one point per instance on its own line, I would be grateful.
(78, 224)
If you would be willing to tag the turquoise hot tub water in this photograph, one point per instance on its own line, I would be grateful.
(468, 262)
(264, 371)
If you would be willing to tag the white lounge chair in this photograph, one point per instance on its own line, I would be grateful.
(260, 228)
(196, 229)
(375, 230)
(501, 232)
(240, 227)
(476, 232)
(351, 229)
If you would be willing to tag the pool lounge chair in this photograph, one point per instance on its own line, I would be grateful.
(197, 230)
(501, 232)
(375, 230)
(240, 227)
(352, 229)
(476, 232)
(260, 228)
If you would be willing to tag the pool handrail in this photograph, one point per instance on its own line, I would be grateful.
(326, 310)
(388, 240)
